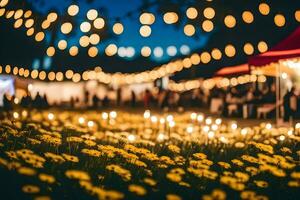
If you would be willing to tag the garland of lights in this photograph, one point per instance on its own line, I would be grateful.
(212, 82)
(111, 50)
(146, 19)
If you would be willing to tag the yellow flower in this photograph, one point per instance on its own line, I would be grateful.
(31, 189)
(70, 158)
(262, 184)
(173, 197)
(174, 148)
(224, 165)
(149, 181)
(77, 174)
(26, 171)
(47, 178)
(174, 177)
(137, 189)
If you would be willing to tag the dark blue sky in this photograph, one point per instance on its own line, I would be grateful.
(163, 35)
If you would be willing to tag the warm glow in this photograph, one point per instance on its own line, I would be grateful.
(30, 32)
(18, 23)
(216, 54)
(69, 74)
(146, 51)
(50, 51)
(94, 39)
(62, 44)
(209, 13)
(207, 26)
(73, 10)
(262, 46)
(92, 14)
(66, 28)
(52, 17)
(40, 36)
(29, 23)
(145, 31)
(279, 20)
(147, 18)
(93, 52)
(248, 17)
(111, 50)
(189, 30)
(73, 51)
(248, 49)
(205, 57)
(18, 14)
(230, 21)
(84, 41)
(118, 28)
(85, 27)
(192, 13)
(264, 8)
(230, 50)
(297, 15)
(99, 23)
(170, 17)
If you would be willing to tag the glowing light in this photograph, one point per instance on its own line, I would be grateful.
(214, 127)
(230, 50)
(50, 116)
(248, 17)
(84, 41)
(52, 17)
(131, 138)
(90, 124)
(147, 114)
(216, 54)
(81, 120)
(146, 51)
(284, 75)
(40, 36)
(262, 46)
(209, 13)
(3, 3)
(211, 134)
(118, 28)
(189, 30)
(192, 13)
(93, 52)
(153, 119)
(85, 27)
(170, 18)
(264, 8)
(18, 23)
(94, 39)
(161, 137)
(234, 126)
(208, 121)
(297, 126)
(230, 21)
(99, 23)
(145, 31)
(184, 49)
(190, 129)
(147, 18)
(29, 23)
(162, 120)
(73, 51)
(205, 57)
(16, 115)
(105, 115)
(73, 10)
(218, 121)
(111, 50)
(194, 116)
(172, 124)
(244, 131)
(66, 28)
(207, 26)
(92, 14)
(30, 32)
(248, 49)
(268, 126)
(200, 118)
(290, 132)
(297, 15)
(171, 51)
(158, 52)
(62, 44)
(206, 129)
(18, 14)
(282, 138)
(279, 20)
(170, 118)
(113, 114)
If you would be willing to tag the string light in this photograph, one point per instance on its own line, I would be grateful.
(145, 31)
(118, 28)
(207, 26)
(279, 20)
(230, 21)
(92, 14)
(66, 28)
(170, 18)
(147, 18)
(99, 23)
(73, 10)
(85, 27)
(192, 13)
(189, 30)
(248, 49)
(209, 13)
(248, 17)
(264, 8)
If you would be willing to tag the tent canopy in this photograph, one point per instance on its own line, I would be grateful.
(233, 70)
(288, 48)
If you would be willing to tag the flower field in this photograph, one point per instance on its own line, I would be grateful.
(89, 155)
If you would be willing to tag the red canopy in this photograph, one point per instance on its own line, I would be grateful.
(233, 70)
(288, 48)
